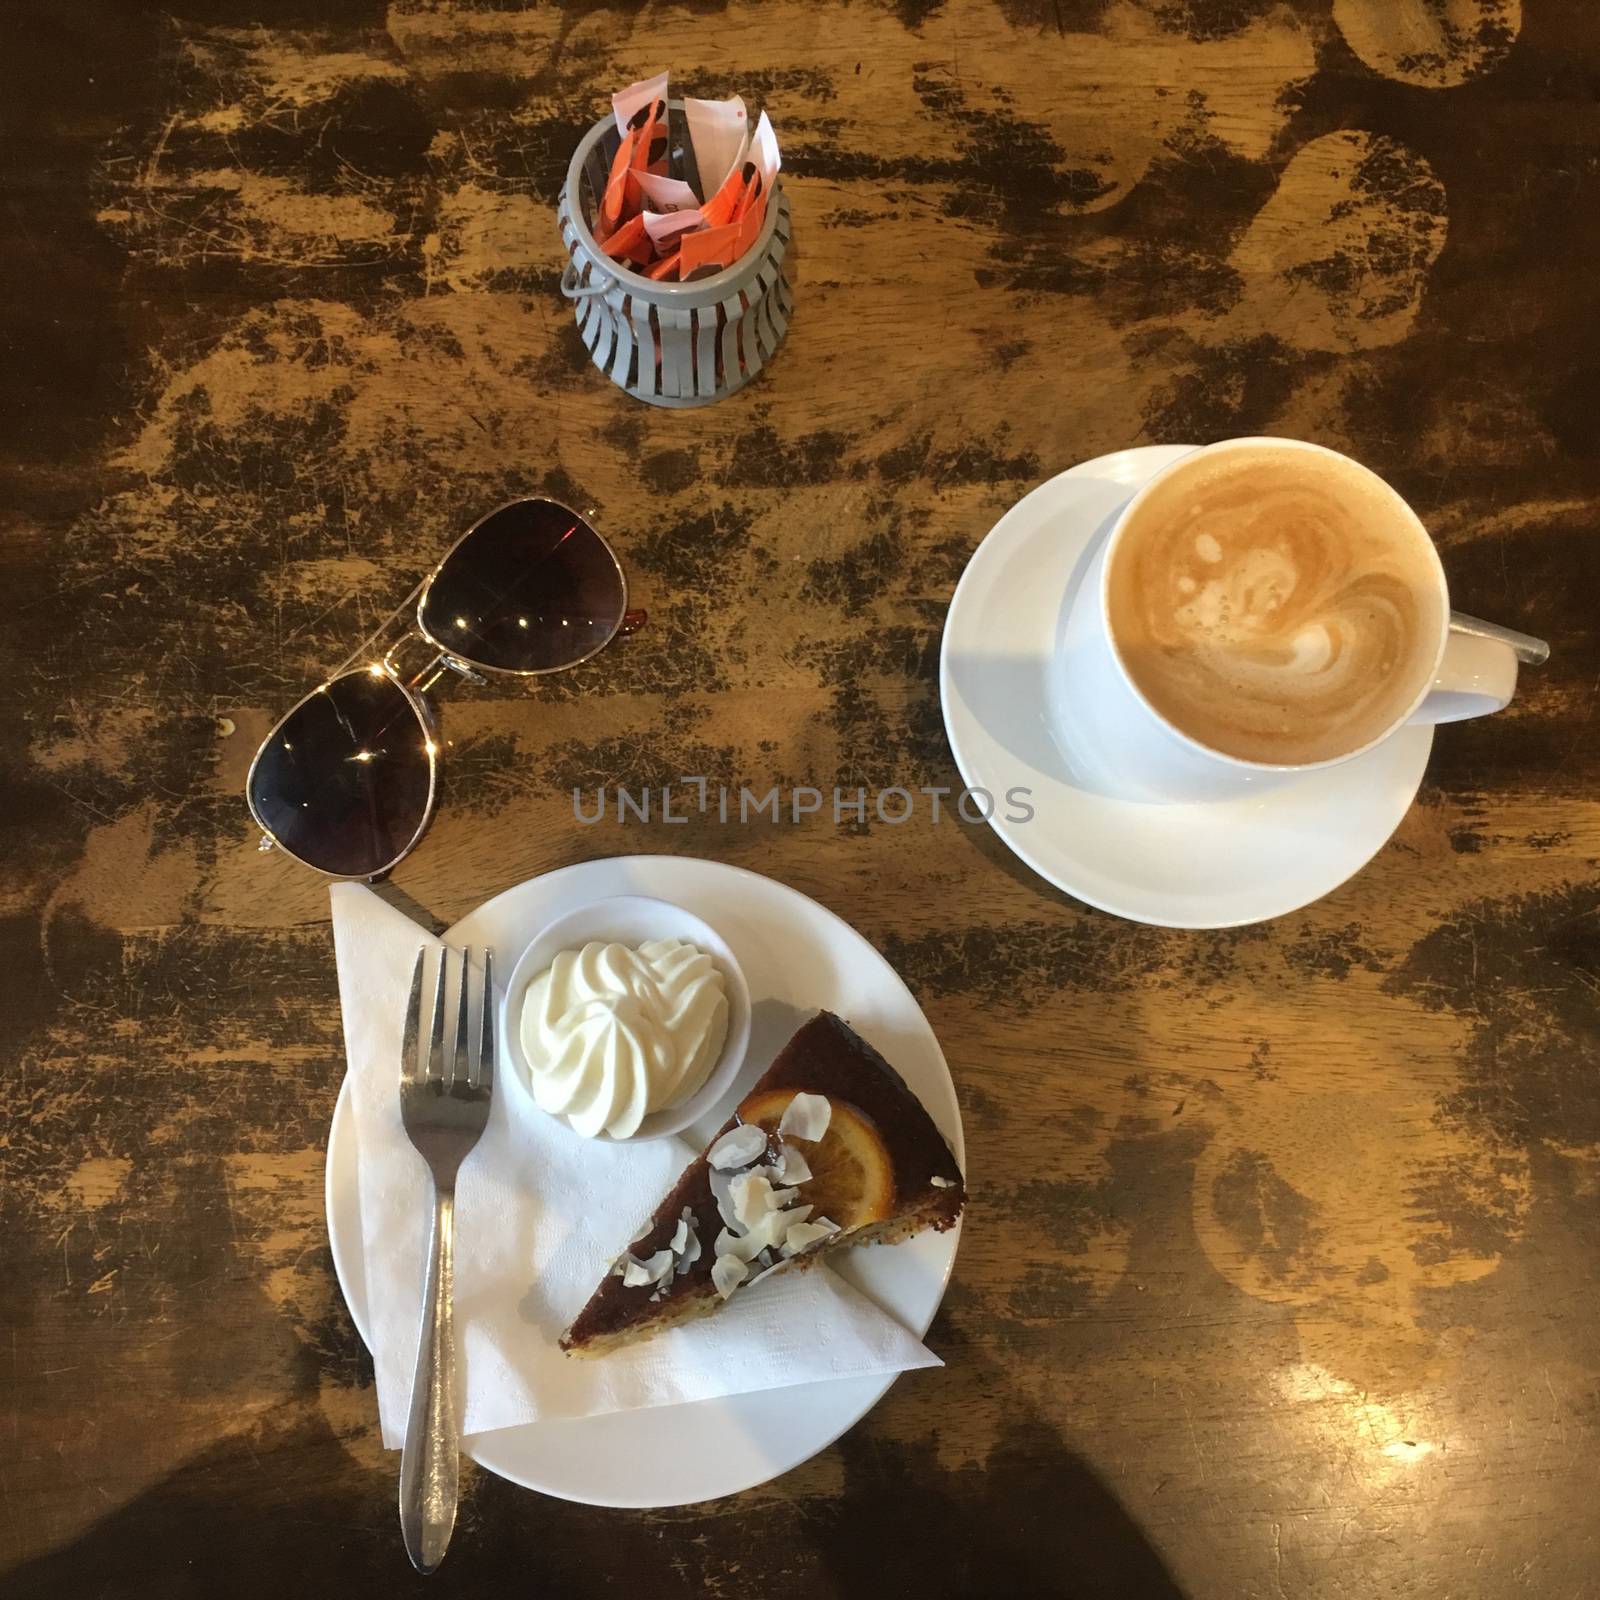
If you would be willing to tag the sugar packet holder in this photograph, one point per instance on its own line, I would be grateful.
(672, 344)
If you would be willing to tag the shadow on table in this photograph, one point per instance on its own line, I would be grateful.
(1031, 1518)
(240, 1519)
(287, 1509)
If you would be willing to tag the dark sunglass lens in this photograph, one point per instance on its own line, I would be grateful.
(531, 588)
(344, 780)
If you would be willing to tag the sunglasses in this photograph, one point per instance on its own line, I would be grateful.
(345, 783)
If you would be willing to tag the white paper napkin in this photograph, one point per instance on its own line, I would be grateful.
(539, 1215)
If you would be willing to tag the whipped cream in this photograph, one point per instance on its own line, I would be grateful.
(613, 1034)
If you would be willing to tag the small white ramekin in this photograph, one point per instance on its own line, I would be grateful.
(631, 920)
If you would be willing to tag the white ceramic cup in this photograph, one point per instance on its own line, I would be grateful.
(1116, 741)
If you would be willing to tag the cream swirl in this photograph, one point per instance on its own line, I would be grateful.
(613, 1034)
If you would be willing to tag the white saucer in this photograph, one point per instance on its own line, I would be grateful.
(796, 956)
(1213, 864)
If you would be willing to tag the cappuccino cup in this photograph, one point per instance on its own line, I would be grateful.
(1260, 609)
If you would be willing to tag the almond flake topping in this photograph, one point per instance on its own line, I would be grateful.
(804, 1234)
(767, 1234)
(727, 1273)
(686, 1242)
(805, 1117)
(792, 1166)
(738, 1147)
(752, 1196)
(635, 1274)
(722, 1193)
(941, 1183)
(732, 1244)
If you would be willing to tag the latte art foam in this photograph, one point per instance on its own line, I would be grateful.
(1276, 604)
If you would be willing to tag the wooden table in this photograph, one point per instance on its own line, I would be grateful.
(1278, 1275)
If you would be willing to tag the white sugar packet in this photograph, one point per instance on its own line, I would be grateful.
(625, 102)
(719, 130)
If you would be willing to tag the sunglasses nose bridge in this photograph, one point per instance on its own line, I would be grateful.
(461, 669)
(416, 662)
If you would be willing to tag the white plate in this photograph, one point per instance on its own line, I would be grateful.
(1212, 864)
(797, 957)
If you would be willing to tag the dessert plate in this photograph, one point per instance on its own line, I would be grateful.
(1205, 864)
(797, 957)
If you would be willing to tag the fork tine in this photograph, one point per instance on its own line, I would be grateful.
(408, 1044)
(483, 1071)
(435, 1069)
(456, 1066)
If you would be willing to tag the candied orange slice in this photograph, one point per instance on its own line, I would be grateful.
(852, 1178)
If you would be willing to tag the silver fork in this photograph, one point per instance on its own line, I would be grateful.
(444, 1104)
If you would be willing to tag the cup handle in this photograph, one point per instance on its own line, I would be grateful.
(1479, 671)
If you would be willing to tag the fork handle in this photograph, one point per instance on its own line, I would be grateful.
(430, 1461)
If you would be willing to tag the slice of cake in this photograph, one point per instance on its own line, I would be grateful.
(829, 1149)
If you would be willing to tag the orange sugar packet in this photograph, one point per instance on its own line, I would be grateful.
(709, 251)
(631, 242)
(726, 204)
(644, 144)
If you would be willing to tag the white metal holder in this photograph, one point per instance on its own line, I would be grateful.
(673, 344)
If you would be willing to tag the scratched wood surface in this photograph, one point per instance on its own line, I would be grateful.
(1278, 1276)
